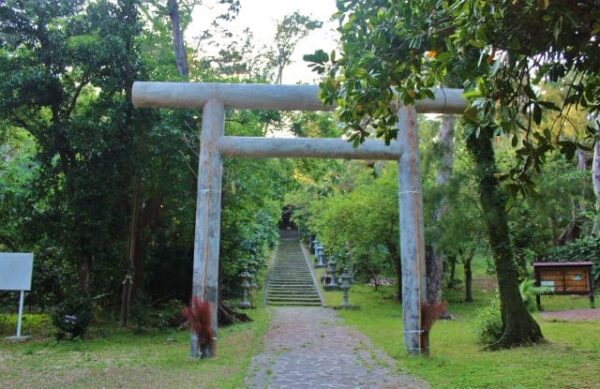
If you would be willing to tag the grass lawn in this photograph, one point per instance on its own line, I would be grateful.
(570, 357)
(114, 358)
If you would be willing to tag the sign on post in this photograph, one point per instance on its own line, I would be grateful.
(15, 274)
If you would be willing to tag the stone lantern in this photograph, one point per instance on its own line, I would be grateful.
(246, 276)
(313, 246)
(320, 255)
(346, 283)
(328, 280)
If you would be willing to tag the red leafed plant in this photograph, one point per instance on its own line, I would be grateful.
(198, 318)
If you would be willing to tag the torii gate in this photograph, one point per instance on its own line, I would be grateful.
(213, 98)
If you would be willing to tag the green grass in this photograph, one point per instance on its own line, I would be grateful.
(112, 357)
(121, 359)
(570, 357)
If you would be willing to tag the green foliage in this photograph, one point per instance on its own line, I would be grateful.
(487, 326)
(72, 316)
(74, 154)
(584, 249)
(289, 31)
(400, 51)
(36, 325)
(364, 200)
(528, 292)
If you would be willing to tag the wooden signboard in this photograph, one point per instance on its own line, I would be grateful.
(15, 274)
(565, 278)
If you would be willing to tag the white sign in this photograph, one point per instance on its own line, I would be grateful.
(548, 284)
(15, 271)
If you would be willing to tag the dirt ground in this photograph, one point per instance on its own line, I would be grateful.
(573, 315)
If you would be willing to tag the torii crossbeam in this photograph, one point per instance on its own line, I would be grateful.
(213, 98)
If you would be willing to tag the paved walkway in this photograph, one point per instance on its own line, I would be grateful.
(309, 347)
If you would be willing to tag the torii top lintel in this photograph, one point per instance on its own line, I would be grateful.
(264, 96)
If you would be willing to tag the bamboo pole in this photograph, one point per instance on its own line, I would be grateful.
(205, 284)
(412, 241)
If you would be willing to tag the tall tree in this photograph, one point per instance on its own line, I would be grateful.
(67, 70)
(289, 31)
(596, 182)
(437, 256)
(406, 48)
(177, 35)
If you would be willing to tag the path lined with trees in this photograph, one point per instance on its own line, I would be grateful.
(102, 192)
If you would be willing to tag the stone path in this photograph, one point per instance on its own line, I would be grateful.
(309, 347)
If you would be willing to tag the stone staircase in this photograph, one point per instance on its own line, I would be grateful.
(290, 280)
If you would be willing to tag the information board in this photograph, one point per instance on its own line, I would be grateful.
(15, 271)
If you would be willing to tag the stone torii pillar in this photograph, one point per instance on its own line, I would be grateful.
(205, 278)
(213, 98)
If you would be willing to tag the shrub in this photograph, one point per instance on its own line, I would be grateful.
(149, 318)
(528, 292)
(37, 324)
(73, 316)
(488, 324)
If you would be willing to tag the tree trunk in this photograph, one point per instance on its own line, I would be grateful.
(552, 222)
(452, 276)
(131, 253)
(227, 316)
(395, 258)
(468, 277)
(85, 269)
(596, 185)
(279, 78)
(519, 327)
(573, 230)
(177, 34)
(435, 268)
(398, 273)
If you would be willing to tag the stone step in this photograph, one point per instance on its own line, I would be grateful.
(290, 279)
(296, 299)
(283, 299)
(293, 293)
(293, 304)
(293, 297)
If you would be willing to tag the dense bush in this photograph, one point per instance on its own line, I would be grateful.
(150, 318)
(73, 316)
(488, 325)
(584, 249)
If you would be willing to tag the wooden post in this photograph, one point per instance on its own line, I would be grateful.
(412, 241)
(208, 218)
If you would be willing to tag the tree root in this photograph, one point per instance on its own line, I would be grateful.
(228, 316)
